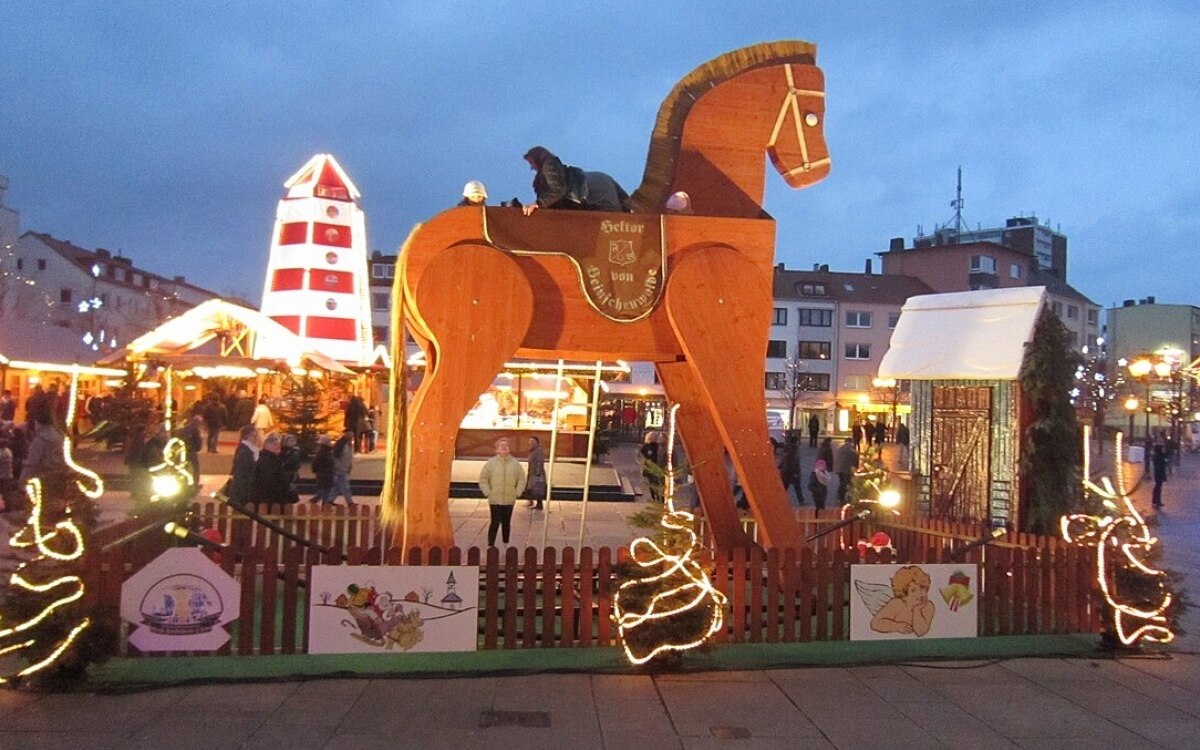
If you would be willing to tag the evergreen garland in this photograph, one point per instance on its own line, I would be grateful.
(1050, 461)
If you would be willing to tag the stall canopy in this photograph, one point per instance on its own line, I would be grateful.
(963, 335)
(234, 330)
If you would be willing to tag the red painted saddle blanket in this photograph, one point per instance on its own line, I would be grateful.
(619, 258)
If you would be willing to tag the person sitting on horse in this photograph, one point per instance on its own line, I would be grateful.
(559, 186)
(474, 194)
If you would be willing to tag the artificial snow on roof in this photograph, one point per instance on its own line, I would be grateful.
(963, 335)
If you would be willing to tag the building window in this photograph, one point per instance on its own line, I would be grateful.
(138, 279)
(815, 317)
(856, 319)
(41, 264)
(776, 349)
(1015, 270)
(1057, 308)
(378, 271)
(20, 263)
(64, 296)
(1093, 317)
(856, 382)
(380, 300)
(120, 274)
(983, 264)
(380, 333)
(814, 381)
(858, 351)
(812, 290)
(893, 319)
(775, 381)
(1072, 312)
(779, 316)
(813, 350)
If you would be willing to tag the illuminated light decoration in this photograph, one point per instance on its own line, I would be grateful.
(33, 535)
(320, 295)
(94, 487)
(1123, 529)
(873, 477)
(172, 475)
(694, 590)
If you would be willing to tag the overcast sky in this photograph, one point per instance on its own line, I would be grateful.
(166, 129)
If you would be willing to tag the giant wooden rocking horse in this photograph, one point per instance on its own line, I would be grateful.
(693, 294)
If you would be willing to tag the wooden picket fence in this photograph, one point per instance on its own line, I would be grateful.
(562, 598)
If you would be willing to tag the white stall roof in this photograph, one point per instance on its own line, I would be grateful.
(963, 335)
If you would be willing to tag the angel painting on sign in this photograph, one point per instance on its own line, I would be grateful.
(904, 606)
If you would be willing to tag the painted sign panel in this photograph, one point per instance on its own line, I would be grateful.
(373, 608)
(889, 602)
(181, 601)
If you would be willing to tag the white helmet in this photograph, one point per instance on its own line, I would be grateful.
(474, 189)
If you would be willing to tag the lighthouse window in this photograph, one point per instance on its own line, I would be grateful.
(331, 304)
(331, 258)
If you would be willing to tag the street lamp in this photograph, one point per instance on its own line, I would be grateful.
(892, 386)
(1131, 406)
(1140, 369)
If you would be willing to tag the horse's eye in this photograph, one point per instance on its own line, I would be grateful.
(811, 119)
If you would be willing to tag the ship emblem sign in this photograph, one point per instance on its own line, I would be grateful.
(620, 252)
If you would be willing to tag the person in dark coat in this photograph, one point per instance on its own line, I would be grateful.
(535, 482)
(880, 433)
(291, 457)
(8, 407)
(269, 482)
(215, 416)
(825, 452)
(353, 420)
(903, 439)
(241, 475)
(323, 467)
(191, 437)
(789, 467)
(559, 186)
(1160, 459)
(814, 429)
(845, 461)
(857, 435)
(650, 456)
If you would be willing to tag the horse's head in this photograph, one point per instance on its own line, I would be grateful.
(797, 144)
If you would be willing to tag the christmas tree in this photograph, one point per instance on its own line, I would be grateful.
(666, 604)
(47, 637)
(300, 411)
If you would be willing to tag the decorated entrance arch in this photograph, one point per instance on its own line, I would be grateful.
(692, 294)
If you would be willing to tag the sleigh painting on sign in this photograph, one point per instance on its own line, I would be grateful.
(361, 609)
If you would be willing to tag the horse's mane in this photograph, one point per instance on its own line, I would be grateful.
(667, 135)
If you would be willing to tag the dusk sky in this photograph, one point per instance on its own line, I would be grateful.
(166, 130)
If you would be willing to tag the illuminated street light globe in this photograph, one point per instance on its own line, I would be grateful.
(166, 485)
(1131, 403)
(1140, 368)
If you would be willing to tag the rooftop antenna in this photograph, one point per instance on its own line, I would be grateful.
(957, 205)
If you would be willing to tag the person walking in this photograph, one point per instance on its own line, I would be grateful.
(651, 465)
(902, 440)
(845, 460)
(292, 457)
(789, 467)
(535, 486)
(324, 468)
(880, 437)
(352, 419)
(814, 429)
(8, 407)
(820, 482)
(215, 416)
(502, 480)
(1160, 460)
(825, 452)
(192, 439)
(343, 462)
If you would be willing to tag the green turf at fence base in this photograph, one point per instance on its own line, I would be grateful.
(120, 674)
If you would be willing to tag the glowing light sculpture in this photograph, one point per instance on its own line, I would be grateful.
(678, 589)
(1121, 538)
(171, 477)
(62, 542)
(316, 283)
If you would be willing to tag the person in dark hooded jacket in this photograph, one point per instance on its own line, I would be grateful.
(561, 186)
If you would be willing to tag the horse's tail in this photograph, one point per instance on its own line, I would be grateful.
(391, 497)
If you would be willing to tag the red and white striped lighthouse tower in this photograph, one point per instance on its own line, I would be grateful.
(316, 283)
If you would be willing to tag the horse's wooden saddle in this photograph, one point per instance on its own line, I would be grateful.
(619, 258)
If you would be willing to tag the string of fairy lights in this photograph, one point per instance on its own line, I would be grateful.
(171, 476)
(1122, 533)
(62, 542)
(694, 590)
